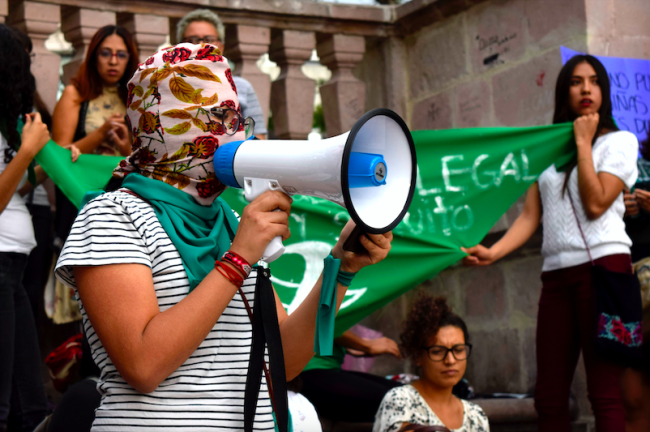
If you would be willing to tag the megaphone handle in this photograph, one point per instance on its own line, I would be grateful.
(352, 243)
(254, 187)
(273, 251)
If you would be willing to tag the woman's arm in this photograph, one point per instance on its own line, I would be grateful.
(34, 136)
(597, 191)
(66, 118)
(146, 345)
(299, 328)
(41, 176)
(518, 234)
(371, 347)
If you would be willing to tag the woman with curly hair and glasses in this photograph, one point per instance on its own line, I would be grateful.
(437, 341)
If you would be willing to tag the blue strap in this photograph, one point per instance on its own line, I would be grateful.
(324, 337)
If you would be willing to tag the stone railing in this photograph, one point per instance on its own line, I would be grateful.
(287, 30)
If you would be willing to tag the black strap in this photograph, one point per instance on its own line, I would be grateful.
(584, 239)
(80, 132)
(266, 332)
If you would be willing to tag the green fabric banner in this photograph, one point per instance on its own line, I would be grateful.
(467, 179)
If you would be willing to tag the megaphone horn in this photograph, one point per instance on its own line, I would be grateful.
(370, 171)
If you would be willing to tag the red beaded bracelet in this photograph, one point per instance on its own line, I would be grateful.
(229, 274)
(238, 262)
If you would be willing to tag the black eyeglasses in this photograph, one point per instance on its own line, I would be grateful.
(439, 353)
(203, 39)
(108, 54)
(232, 121)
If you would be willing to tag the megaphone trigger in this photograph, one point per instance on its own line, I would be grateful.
(254, 187)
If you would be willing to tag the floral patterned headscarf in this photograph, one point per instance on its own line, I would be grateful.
(174, 138)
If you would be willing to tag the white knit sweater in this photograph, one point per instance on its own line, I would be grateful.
(615, 153)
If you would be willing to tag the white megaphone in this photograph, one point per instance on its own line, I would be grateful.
(370, 171)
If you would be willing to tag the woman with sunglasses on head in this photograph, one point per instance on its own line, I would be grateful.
(91, 110)
(437, 341)
(582, 213)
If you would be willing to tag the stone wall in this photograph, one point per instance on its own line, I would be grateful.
(618, 28)
(494, 64)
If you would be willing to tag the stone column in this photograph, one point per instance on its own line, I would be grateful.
(4, 10)
(39, 21)
(173, 21)
(244, 45)
(78, 26)
(149, 31)
(292, 94)
(344, 96)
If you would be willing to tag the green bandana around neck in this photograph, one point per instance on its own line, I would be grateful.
(200, 233)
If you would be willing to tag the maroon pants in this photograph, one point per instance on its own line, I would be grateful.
(565, 326)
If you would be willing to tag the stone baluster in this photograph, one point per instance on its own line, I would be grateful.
(292, 93)
(39, 21)
(4, 10)
(149, 31)
(244, 45)
(344, 96)
(173, 21)
(78, 26)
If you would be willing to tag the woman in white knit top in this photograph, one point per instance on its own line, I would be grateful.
(606, 165)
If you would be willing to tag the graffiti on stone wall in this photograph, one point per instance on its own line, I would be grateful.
(494, 46)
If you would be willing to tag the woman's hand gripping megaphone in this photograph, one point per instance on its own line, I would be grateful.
(263, 220)
(376, 247)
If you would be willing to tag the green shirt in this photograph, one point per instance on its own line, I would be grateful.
(327, 362)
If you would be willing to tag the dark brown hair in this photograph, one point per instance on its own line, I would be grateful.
(427, 316)
(88, 82)
(563, 112)
(17, 86)
(39, 105)
(644, 148)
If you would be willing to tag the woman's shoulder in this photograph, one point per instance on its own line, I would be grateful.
(475, 414)
(71, 95)
(111, 204)
(620, 137)
(405, 391)
(399, 397)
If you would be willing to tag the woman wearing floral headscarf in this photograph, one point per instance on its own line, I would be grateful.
(171, 333)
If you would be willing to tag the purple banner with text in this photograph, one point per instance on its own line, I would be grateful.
(630, 82)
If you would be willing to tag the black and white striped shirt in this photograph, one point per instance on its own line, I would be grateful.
(206, 393)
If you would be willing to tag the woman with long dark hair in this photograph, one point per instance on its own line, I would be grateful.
(21, 387)
(90, 113)
(587, 197)
(91, 110)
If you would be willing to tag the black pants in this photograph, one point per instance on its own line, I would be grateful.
(40, 259)
(345, 396)
(76, 411)
(21, 386)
